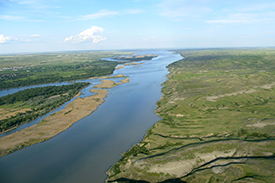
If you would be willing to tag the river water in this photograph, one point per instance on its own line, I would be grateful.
(92, 145)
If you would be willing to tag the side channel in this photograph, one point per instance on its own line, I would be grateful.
(89, 147)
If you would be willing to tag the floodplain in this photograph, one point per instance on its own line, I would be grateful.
(218, 122)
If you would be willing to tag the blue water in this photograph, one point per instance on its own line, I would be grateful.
(93, 144)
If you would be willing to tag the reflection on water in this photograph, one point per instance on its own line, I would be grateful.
(89, 147)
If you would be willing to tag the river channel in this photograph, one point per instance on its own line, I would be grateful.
(85, 151)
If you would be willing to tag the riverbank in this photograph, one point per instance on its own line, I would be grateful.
(228, 138)
(56, 123)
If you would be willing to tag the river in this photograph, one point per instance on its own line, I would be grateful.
(85, 151)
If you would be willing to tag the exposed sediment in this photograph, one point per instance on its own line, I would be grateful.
(57, 122)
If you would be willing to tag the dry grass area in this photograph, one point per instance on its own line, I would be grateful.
(119, 67)
(58, 122)
(133, 63)
(105, 84)
(6, 113)
(54, 124)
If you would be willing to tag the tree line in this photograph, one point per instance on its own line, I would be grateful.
(39, 102)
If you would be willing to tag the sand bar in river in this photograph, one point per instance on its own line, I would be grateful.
(57, 122)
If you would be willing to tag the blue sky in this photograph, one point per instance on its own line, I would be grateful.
(62, 25)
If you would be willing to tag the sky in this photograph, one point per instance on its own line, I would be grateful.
(67, 25)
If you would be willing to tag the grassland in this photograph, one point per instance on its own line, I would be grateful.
(218, 122)
(33, 69)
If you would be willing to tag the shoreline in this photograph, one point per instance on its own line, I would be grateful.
(57, 122)
(77, 95)
(203, 140)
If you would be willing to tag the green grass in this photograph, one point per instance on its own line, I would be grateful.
(240, 116)
(35, 69)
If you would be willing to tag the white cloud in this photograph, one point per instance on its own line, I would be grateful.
(149, 38)
(18, 18)
(5, 39)
(35, 4)
(246, 18)
(87, 36)
(100, 14)
(133, 11)
(183, 8)
(257, 7)
(35, 35)
(11, 18)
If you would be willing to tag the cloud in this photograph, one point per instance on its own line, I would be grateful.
(11, 18)
(34, 4)
(183, 8)
(235, 18)
(247, 14)
(258, 7)
(149, 38)
(100, 14)
(134, 11)
(5, 39)
(246, 18)
(35, 35)
(18, 18)
(89, 35)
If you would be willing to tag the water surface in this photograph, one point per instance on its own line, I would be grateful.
(88, 148)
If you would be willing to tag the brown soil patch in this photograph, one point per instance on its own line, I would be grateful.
(117, 76)
(126, 80)
(105, 84)
(110, 84)
(57, 96)
(119, 67)
(6, 113)
(133, 63)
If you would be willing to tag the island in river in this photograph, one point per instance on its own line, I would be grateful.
(218, 122)
(133, 58)
(34, 69)
(57, 122)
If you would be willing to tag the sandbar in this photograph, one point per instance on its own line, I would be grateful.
(110, 83)
(57, 122)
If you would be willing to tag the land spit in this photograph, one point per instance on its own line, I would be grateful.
(57, 122)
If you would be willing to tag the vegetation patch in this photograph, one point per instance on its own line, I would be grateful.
(33, 69)
(218, 121)
(37, 100)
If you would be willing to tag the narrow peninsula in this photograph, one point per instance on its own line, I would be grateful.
(57, 122)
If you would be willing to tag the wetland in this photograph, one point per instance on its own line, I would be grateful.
(215, 122)
(90, 146)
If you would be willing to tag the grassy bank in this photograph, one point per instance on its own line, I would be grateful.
(218, 122)
(27, 105)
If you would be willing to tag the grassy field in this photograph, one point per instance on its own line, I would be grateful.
(218, 122)
(32, 69)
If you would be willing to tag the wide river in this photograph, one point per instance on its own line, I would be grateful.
(85, 151)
